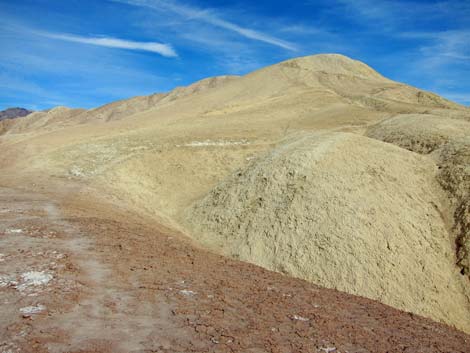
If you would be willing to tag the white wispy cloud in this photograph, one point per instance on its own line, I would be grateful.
(159, 48)
(442, 48)
(208, 16)
(398, 15)
(398, 19)
(451, 44)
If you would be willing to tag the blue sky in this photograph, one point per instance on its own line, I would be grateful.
(83, 53)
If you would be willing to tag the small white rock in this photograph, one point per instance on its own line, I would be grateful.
(6, 281)
(187, 292)
(15, 231)
(30, 310)
(300, 318)
(34, 278)
(328, 349)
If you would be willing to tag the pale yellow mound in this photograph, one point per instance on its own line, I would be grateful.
(126, 108)
(421, 133)
(449, 142)
(49, 119)
(343, 211)
(5, 125)
(454, 176)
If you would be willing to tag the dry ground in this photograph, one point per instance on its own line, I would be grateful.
(121, 283)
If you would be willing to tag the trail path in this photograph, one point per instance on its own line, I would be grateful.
(72, 302)
(77, 276)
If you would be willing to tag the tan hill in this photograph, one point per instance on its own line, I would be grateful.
(448, 143)
(52, 118)
(162, 155)
(128, 107)
(338, 80)
(5, 125)
(345, 212)
(7, 117)
(120, 109)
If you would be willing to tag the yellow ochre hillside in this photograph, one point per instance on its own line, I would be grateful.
(317, 167)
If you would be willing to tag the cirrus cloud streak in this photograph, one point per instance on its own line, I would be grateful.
(208, 16)
(159, 48)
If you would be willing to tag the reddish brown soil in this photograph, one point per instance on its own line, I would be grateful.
(122, 283)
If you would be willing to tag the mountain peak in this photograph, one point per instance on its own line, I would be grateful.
(333, 64)
(12, 113)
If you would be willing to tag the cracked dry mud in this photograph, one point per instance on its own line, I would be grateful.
(113, 281)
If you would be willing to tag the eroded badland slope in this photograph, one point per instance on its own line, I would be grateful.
(273, 168)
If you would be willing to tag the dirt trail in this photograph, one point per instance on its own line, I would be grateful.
(76, 303)
(81, 276)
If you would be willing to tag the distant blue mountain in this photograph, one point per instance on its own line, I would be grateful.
(13, 113)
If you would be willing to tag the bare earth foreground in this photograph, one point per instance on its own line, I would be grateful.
(81, 276)
(114, 221)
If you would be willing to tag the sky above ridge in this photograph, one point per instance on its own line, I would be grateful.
(83, 53)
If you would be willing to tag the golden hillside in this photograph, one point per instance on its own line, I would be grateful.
(211, 151)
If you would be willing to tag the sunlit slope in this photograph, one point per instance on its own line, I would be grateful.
(343, 211)
(200, 133)
(54, 118)
(447, 142)
(165, 154)
(302, 81)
